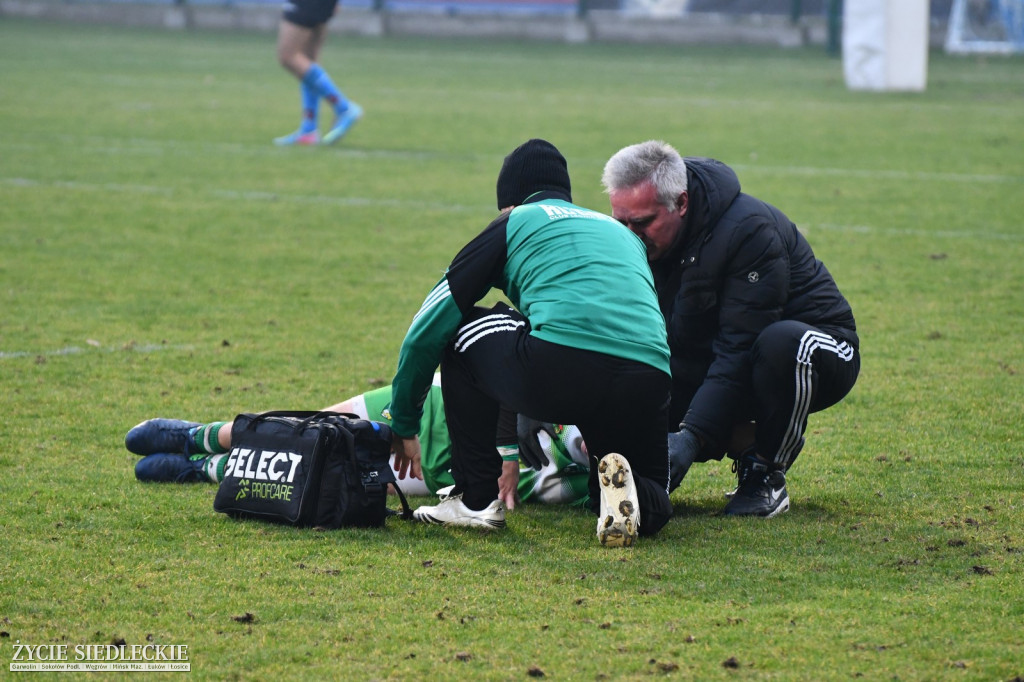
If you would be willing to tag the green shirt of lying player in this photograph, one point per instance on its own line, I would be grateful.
(181, 451)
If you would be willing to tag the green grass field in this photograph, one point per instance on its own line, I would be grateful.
(161, 258)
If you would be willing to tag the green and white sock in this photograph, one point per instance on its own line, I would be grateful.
(205, 438)
(213, 466)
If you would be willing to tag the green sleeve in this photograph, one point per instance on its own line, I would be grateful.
(431, 329)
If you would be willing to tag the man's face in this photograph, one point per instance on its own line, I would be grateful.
(638, 209)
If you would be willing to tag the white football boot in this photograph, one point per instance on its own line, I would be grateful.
(619, 522)
(451, 511)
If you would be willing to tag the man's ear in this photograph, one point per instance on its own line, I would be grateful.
(683, 203)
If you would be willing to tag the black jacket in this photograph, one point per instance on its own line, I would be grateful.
(740, 266)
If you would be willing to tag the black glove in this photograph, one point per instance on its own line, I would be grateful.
(530, 451)
(683, 449)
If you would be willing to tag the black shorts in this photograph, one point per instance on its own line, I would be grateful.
(308, 13)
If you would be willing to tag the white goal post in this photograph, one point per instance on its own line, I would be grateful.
(885, 44)
(986, 27)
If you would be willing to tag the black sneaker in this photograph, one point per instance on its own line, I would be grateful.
(761, 491)
(160, 436)
(166, 467)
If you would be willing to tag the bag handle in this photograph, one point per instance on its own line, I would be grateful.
(406, 513)
(304, 417)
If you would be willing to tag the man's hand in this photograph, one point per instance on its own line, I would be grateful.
(508, 484)
(683, 448)
(407, 456)
(530, 450)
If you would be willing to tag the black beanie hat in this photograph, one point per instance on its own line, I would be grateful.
(533, 166)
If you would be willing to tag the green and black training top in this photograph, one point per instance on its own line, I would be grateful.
(580, 278)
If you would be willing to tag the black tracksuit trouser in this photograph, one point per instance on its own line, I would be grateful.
(796, 369)
(618, 405)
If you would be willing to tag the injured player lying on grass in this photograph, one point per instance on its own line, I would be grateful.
(549, 464)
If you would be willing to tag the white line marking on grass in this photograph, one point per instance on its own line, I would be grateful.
(877, 174)
(116, 148)
(76, 350)
(135, 146)
(89, 186)
(139, 146)
(950, 234)
(342, 201)
(247, 195)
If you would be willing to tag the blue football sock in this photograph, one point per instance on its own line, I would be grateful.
(310, 107)
(318, 80)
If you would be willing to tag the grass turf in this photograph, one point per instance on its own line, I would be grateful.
(161, 258)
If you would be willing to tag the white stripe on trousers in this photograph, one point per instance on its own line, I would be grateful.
(809, 343)
(477, 329)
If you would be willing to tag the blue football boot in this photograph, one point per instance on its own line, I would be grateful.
(298, 138)
(155, 436)
(171, 468)
(345, 120)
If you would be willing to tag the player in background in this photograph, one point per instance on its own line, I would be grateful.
(300, 37)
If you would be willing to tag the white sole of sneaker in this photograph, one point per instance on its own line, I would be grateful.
(619, 521)
(463, 520)
(783, 507)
